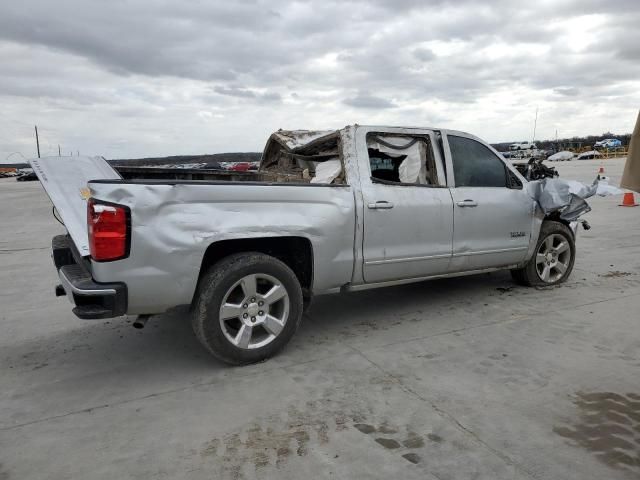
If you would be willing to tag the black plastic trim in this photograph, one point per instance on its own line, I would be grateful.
(94, 305)
(61, 251)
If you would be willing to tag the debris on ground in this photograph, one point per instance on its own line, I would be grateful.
(504, 289)
(615, 274)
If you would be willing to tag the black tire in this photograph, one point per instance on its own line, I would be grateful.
(215, 286)
(529, 275)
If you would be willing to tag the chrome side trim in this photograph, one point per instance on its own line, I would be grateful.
(407, 259)
(486, 252)
(367, 286)
(445, 255)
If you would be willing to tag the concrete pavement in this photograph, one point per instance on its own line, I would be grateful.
(452, 379)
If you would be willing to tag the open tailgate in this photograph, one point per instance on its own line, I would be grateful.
(65, 181)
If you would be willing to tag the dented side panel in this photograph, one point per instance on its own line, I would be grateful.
(173, 224)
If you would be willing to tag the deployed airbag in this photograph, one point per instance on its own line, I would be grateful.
(413, 168)
(327, 172)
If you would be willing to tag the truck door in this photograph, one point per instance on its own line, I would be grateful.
(492, 212)
(408, 211)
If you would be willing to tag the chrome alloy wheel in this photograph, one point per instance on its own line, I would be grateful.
(553, 258)
(254, 311)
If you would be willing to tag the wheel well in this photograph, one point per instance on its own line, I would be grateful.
(555, 217)
(295, 252)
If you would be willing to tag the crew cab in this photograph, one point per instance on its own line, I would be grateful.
(326, 212)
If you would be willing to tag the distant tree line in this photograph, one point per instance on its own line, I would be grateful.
(178, 159)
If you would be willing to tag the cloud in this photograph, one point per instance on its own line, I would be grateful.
(243, 92)
(424, 54)
(364, 100)
(567, 91)
(134, 78)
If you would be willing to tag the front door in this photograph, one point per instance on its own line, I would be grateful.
(492, 212)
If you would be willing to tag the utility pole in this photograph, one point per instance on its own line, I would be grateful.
(37, 141)
(535, 124)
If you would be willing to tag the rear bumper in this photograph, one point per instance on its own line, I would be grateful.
(91, 300)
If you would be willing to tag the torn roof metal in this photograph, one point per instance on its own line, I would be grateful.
(296, 139)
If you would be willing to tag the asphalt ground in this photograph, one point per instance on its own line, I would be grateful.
(465, 378)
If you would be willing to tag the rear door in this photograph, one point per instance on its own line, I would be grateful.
(408, 213)
(65, 181)
(492, 212)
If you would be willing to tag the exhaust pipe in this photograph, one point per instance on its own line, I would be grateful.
(141, 321)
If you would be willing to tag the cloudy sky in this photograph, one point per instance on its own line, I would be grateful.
(133, 78)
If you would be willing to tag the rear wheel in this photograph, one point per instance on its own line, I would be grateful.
(248, 307)
(553, 259)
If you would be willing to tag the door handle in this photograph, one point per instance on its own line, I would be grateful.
(381, 205)
(467, 203)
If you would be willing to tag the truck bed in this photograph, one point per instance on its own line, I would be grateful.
(289, 157)
(156, 173)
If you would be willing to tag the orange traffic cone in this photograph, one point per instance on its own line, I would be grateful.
(628, 200)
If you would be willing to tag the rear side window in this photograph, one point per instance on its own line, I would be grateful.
(474, 165)
(401, 159)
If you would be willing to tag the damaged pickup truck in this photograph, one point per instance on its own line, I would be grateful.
(326, 212)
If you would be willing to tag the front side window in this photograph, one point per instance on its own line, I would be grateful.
(474, 165)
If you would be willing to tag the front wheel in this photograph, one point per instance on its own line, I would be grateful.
(553, 259)
(248, 307)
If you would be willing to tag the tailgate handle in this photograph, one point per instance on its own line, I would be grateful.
(467, 203)
(381, 205)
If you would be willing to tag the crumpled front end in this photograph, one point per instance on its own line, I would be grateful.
(566, 198)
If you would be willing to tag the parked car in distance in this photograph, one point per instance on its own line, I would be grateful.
(608, 143)
(327, 212)
(523, 146)
(26, 175)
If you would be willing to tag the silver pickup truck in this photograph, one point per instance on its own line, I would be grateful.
(326, 212)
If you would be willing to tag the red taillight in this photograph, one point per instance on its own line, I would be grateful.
(108, 230)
